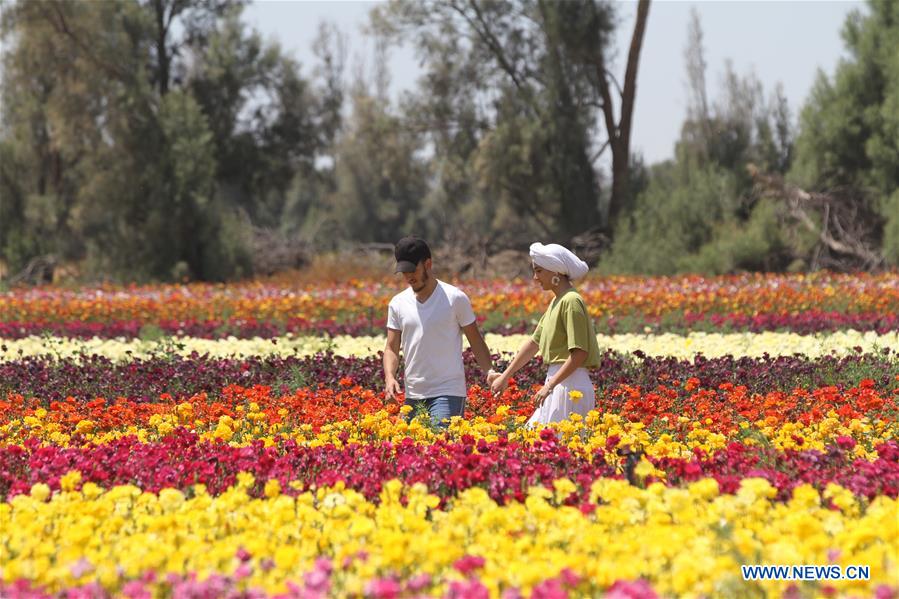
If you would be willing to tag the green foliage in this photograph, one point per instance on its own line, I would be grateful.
(673, 219)
(380, 178)
(150, 138)
(157, 139)
(505, 100)
(699, 213)
(754, 245)
(891, 229)
(850, 125)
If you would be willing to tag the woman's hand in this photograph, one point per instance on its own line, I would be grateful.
(541, 395)
(498, 384)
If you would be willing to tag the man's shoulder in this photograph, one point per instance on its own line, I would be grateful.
(451, 291)
(401, 297)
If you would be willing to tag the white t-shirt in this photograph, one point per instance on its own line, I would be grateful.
(432, 340)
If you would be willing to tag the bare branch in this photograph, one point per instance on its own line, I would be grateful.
(482, 28)
(832, 235)
(62, 26)
(615, 81)
(600, 151)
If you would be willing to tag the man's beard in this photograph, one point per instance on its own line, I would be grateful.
(424, 282)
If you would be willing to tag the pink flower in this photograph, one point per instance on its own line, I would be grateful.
(469, 563)
(549, 589)
(242, 571)
(569, 577)
(242, 554)
(317, 580)
(81, 567)
(845, 442)
(419, 583)
(638, 589)
(383, 588)
(324, 565)
(470, 589)
(885, 592)
(135, 590)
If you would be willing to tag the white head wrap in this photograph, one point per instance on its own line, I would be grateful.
(556, 258)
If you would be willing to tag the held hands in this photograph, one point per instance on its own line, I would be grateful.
(492, 375)
(392, 389)
(498, 382)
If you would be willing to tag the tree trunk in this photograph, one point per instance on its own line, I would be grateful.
(162, 54)
(620, 134)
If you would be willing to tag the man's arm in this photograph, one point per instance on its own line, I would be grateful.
(391, 363)
(478, 347)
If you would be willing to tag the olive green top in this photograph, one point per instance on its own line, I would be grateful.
(565, 326)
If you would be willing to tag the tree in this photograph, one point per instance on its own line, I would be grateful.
(57, 93)
(700, 212)
(535, 90)
(849, 136)
(150, 137)
(380, 176)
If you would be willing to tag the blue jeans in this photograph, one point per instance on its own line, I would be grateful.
(440, 408)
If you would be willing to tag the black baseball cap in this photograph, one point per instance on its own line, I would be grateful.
(409, 251)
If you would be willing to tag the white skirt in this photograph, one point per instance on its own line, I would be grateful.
(559, 405)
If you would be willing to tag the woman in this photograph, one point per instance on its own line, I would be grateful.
(564, 337)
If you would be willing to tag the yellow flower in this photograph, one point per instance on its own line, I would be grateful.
(170, 499)
(40, 491)
(272, 488)
(563, 489)
(644, 468)
(575, 396)
(84, 427)
(245, 480)
(91, 490)
(841, 497)
(70, 480)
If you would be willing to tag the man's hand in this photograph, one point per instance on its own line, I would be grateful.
(393, 389)
(498, 384)
(492, 375)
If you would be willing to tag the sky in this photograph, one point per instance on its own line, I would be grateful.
(784, 42)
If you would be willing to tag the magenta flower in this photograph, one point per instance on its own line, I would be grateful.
(419, 583)
(468, 589)
(468, 564)
(845, 442)
(383, 588)
(638, 589)
(242, 554)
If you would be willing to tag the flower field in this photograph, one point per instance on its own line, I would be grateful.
(234, 441)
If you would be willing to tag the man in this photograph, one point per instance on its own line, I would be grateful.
(428, 320)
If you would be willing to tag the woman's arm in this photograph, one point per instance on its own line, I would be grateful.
(576, 359)
(527, 351)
